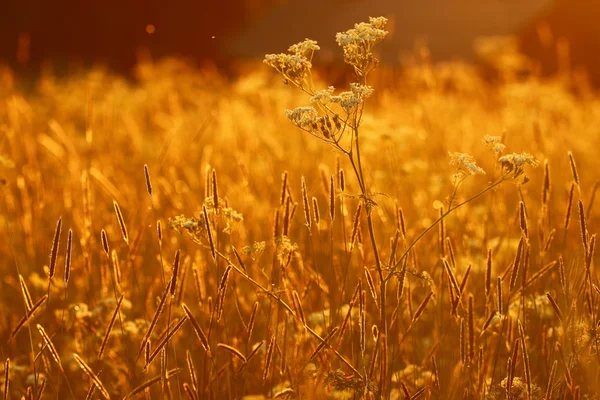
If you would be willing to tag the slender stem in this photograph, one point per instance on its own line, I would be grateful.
(355, 168)
(444, 215)
(358, 170)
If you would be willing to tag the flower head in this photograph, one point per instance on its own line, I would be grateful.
(493, 143)
(349, 100)
(358, 43)
(361, 91)
(306, 48)
(514, 163)
(302, 117)
(465, 163)
(366, 33)
(294, 67)
(323, 96)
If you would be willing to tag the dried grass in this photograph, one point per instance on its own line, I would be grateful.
(491, 270)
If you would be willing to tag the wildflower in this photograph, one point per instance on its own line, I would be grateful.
(349, 100)
(231, 217)
(182, 224)
(294, 67)
(305, 48)
(465, 163)
(361, 92)
(323, 96)
(254, 248)
(302, 117)
(227, 214)
(285, 248)
(493, 143)
(514, 164)
(367, 33)
(358, 43)
(517, 389)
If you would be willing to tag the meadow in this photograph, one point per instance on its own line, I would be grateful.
(182, 236)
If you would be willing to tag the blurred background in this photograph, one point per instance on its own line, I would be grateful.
(70, 34)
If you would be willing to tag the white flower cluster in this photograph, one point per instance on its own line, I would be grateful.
(323, 96)
(349, 100)
(295, 67)
(519, 160)
(352, 99)
(361, 91)
(493, 143)
(514, 163)
(303, 117)
(465, 162)
(358, 43)
(364, 33)
(305, 48)
(291, 66)
(308, 118)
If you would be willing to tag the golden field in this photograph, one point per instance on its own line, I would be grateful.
(502, 292)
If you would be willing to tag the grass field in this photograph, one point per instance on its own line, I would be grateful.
(210, 276)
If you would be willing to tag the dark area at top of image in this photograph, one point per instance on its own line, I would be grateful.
(69, 34)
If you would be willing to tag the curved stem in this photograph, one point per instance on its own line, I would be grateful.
(444, 215)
